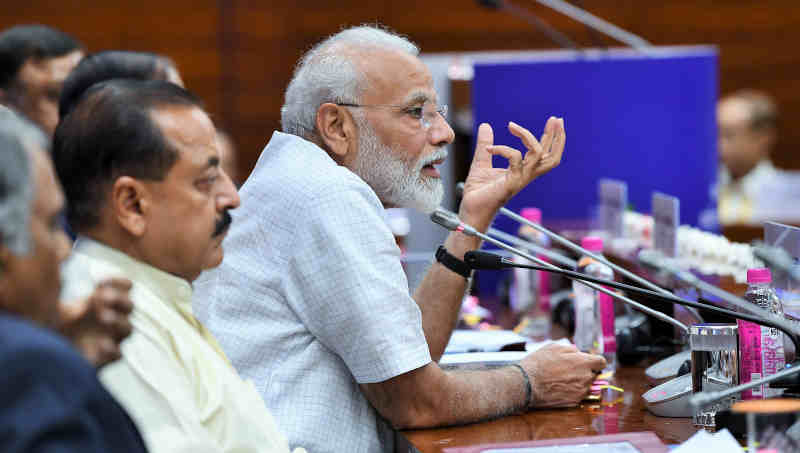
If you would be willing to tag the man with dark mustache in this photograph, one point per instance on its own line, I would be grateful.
(140, 165)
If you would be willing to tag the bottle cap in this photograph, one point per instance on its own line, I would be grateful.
(532, 214)
(759, 275)
(592, 243)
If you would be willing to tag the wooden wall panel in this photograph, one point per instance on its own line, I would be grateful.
(238, 55)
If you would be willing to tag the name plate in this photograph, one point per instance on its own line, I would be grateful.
(613, 196)
(666, 219)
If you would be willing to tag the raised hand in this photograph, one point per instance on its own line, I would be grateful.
(98, 324)
(487, 188)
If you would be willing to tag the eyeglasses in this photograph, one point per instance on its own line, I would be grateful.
(426, 113)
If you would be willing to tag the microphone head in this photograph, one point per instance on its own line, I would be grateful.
(478, 259)
(460, 189)
(446, 219)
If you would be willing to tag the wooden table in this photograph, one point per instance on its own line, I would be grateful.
(626, 414)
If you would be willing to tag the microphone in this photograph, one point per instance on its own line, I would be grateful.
(705, 398)
(556, 36)
(582, 251)
(451, 222)
(479, 259)
(535, 248)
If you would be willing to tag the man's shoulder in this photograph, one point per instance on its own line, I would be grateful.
(302, 171)
(24, 344)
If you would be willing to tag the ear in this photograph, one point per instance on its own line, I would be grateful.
(337, 129)
(130, 205)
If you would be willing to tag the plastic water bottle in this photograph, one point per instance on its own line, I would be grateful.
(594, 311)
(760, 348)
(530, 293)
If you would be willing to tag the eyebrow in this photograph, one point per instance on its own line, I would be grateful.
(418, 97)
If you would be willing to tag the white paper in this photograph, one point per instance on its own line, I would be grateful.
(703, 442)
(482, 340)
(615, 447)
(500, 357)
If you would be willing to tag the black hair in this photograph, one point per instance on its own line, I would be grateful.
(111, 133)
(23, 42)
(112, 64)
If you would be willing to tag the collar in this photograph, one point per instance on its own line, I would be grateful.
(169, 288)
(762, 168)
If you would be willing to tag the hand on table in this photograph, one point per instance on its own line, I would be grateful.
(561, 376)
(98, 324)
(487, 188)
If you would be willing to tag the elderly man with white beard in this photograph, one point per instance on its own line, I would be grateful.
(311, 301)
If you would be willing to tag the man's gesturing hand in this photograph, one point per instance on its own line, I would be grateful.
(98, 324)
(487, 188)
(561, 376)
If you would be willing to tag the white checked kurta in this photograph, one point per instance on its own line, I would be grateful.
(311, 298)
(173, 379)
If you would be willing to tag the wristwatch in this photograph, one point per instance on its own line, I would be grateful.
(451, 262)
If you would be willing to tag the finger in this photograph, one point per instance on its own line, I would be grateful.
(595, 362)
(550, 131)
(485, 139)
(109, 350)
(514, 156)
(553, 157)
(121, 304)
(525, 135)
(119, 283)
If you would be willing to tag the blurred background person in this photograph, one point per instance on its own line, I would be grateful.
(34, 61)
(50, 398)
(747, 126)
(115, 64)
(230, 158)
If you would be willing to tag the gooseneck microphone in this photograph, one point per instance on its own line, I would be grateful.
(556, 36)
(479, 259)
(705, 398)
(581, 251)
(535, 248)
(451, 222)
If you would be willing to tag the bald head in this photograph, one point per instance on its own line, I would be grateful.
(747, 122)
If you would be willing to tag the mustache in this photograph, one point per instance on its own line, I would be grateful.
(223, 224)
(439, 154)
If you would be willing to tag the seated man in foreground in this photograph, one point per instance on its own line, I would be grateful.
(140, 167)
(50, 398)
(311, 301)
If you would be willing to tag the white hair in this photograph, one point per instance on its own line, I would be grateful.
(17, 137)
(396, 181)
(328, 73)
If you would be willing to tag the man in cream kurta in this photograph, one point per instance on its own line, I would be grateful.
(173, 378)
(152, 207)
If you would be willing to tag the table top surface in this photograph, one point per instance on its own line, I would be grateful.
(618, 413)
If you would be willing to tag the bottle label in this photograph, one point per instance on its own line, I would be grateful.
(760, 354)
(606, 306)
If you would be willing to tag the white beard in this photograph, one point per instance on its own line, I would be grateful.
(392, 179)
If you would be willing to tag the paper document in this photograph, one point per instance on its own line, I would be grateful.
(482, 341)
(616, 447)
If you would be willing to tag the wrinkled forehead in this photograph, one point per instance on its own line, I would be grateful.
(395, 77)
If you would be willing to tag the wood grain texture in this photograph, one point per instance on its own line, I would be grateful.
(238, 55)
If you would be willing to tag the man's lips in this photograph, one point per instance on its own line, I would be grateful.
(430, 169)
